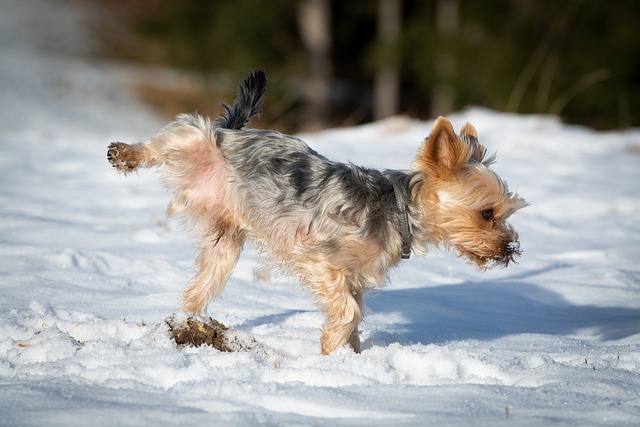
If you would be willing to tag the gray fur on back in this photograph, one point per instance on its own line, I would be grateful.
(281, 175)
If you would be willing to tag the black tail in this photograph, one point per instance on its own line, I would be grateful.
(247, 104)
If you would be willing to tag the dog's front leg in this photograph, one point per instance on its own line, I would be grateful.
(341, 303)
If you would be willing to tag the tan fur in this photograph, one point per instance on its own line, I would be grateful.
(456, 189)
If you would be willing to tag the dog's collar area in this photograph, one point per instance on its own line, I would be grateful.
(402, 222)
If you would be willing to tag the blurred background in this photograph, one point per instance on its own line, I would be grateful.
(336, 62)
(346, 62)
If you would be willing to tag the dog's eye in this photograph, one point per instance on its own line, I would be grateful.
(487, 214)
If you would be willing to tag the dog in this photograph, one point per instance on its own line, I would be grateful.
(338, 227)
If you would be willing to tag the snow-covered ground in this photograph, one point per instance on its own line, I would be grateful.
(90, 268)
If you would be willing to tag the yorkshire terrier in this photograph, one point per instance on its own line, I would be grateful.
(337, 227)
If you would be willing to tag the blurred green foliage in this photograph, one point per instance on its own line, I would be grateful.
(235, 35)
(576, 58)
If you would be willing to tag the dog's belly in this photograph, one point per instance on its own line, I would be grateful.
(280, 236)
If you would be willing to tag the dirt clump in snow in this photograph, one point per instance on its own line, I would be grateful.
(198, 331)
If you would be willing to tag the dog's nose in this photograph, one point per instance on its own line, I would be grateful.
(511, 248)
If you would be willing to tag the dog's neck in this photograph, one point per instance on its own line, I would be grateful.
(402, 222)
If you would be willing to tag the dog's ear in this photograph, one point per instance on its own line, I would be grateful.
(468, 130)
(442, 154)
(478, 153)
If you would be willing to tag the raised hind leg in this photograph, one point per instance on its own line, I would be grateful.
(177, 137)
(129, 157)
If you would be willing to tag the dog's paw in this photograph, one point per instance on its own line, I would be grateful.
(122, 157)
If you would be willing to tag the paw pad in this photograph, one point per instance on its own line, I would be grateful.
(121, 157)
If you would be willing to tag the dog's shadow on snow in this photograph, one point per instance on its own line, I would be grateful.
(486, 310)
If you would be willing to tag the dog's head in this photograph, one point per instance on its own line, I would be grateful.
(464, 204)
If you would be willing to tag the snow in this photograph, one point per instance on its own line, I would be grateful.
(90, 269)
